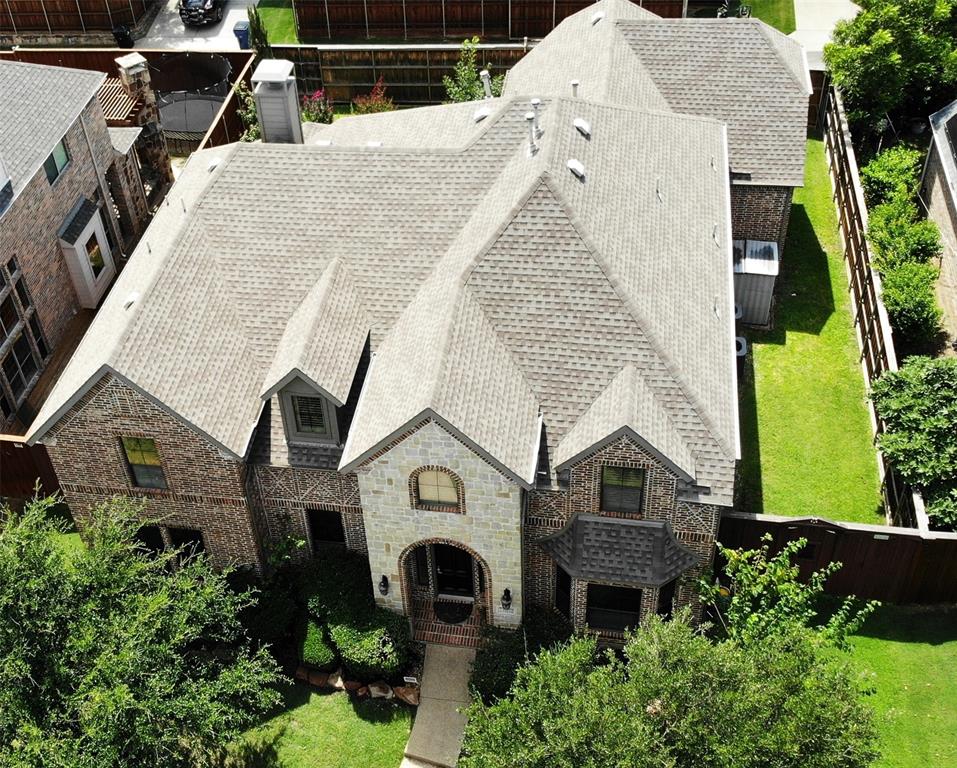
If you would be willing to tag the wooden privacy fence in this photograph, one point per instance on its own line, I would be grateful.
(409, 19)
(52, 17)
(412, 73)
(895, 565)
(227, 126)
(876, 342)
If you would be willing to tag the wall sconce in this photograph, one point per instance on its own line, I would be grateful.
(384, 585)
(507, 599)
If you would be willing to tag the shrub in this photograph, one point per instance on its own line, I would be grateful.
(465, 84)
(376, 101)
(893, 173)
(372, 645)
(503, 651)
(316, 108)
(911, 303)
(315, 651)
(899, 235)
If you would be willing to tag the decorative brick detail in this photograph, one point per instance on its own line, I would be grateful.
(761, 213)
(416, 503)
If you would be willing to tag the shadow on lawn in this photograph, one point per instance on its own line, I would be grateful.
(929, 625)
(804, 298)
(749, 489)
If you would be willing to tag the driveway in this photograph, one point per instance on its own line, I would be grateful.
(168, 32)
(814, 21)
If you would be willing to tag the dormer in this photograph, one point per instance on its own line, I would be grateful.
(308, 415)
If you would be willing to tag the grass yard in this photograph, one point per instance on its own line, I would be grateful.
(327, 730)
(911, 654)
(805, 434)
(279, 20)
(778, 13)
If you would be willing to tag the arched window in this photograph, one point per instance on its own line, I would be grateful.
(436, 489)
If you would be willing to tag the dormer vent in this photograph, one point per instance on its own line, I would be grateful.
(576, 168)
(583, 127)
(486, 83)
(481, 113)
(532, 146)
(536, 103)
(596, 17)
(575, 84)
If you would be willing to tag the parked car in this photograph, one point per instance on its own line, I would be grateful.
(195, 13)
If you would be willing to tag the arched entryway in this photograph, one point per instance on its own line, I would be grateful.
(446, 589)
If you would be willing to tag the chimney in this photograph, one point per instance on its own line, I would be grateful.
(277, 102)
(134, 75)
(486, 83)
(536, 103)
(575, 89)
(532, 146)
(6, 188)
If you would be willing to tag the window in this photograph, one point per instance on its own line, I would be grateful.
(149, 538)
(20, 366)
(435, 487)
(621, 489)
(38, 336)
(325, 527)
(144, 462)
(56, 162)
(95, 256)
(308, 417)
(666, 599)
(188, 540)
(8, 317)
(421, 555)
(563, 591)
(613, 608)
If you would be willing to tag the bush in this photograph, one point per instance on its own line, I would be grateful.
(376, 101)
(895, 172)
(503, 651)
(911, 303)
(899, 235)
(372, 646)
(315, 651)
(316, 108)
(465, 84)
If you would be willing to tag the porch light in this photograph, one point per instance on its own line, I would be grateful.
(384, 585)
(507, 599)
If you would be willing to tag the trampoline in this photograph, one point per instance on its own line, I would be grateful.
(190, 89)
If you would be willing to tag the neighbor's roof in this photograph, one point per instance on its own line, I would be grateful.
(38, 104)
(123, 138)
(740, 71)
(498, 288)
(641, 553)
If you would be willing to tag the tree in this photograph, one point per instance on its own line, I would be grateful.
(112, 656)
(465, 84)
(918, 405)
(766, 597)
(895, 56)
(678, 700)
(258, 37)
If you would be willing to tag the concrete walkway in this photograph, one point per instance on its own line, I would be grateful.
(814, 21)
(436, 738)
(168, 31)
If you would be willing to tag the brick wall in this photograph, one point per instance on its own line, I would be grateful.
(760, 213)
(205, 488)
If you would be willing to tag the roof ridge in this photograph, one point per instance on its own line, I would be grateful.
(768, 33)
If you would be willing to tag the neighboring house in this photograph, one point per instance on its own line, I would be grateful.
(489, 345)
(939, 193)
(62, 172)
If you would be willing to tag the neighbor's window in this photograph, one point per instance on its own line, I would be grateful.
(56, 162)
(144, 462)
(437, 487)
(621, 489)
(95, 256)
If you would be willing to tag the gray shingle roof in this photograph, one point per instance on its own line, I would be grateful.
(123, 138)
(38, 104)
(81, 217)
(641, 553)
(739, 71)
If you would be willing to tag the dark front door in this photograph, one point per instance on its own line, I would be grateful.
(453, 571)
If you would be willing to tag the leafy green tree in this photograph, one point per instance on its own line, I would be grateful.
(895, 56)
(918, 405)
(678, 700)
(111, 656)
(465, 84)
(765, 597)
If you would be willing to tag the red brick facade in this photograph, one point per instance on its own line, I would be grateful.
(760, 213)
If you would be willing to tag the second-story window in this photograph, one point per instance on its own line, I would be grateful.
(437, 490)
(622, 489)
(22, 348)
(56, 162)
(144, 462)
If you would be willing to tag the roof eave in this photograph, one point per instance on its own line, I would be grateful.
(629, 432)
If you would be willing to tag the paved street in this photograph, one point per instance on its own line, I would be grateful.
(169, 32)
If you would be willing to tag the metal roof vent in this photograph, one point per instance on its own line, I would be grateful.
(324, 143)
(481, 113)
(373, 144)
(596, 17)
(583, 126)
(131, 299)
(486, 83)
(536, 103)
(532, 146)
(575, 84)
(576, 168)
(213, 164)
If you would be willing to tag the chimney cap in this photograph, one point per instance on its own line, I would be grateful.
(132, 62)
(273, 71)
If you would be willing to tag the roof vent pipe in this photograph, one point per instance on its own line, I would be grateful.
(486, 83)
(536, 103)
(532, 146)
(575, 85)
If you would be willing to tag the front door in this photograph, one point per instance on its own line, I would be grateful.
(453, 571)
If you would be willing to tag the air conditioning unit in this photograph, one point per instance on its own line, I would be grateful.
(756, 266)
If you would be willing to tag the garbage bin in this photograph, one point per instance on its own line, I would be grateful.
(121, 33)
(241, 30)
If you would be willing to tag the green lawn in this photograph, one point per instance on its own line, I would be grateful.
(806, 439)
(279, 20)
(327, 730)
(777, 13)
(911, 654)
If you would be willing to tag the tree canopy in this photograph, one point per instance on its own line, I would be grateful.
(465, 83)
(113, 656)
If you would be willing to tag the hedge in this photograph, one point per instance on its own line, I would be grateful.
(900, 236)
(895, 172)
(315, 651)
(909, 297)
